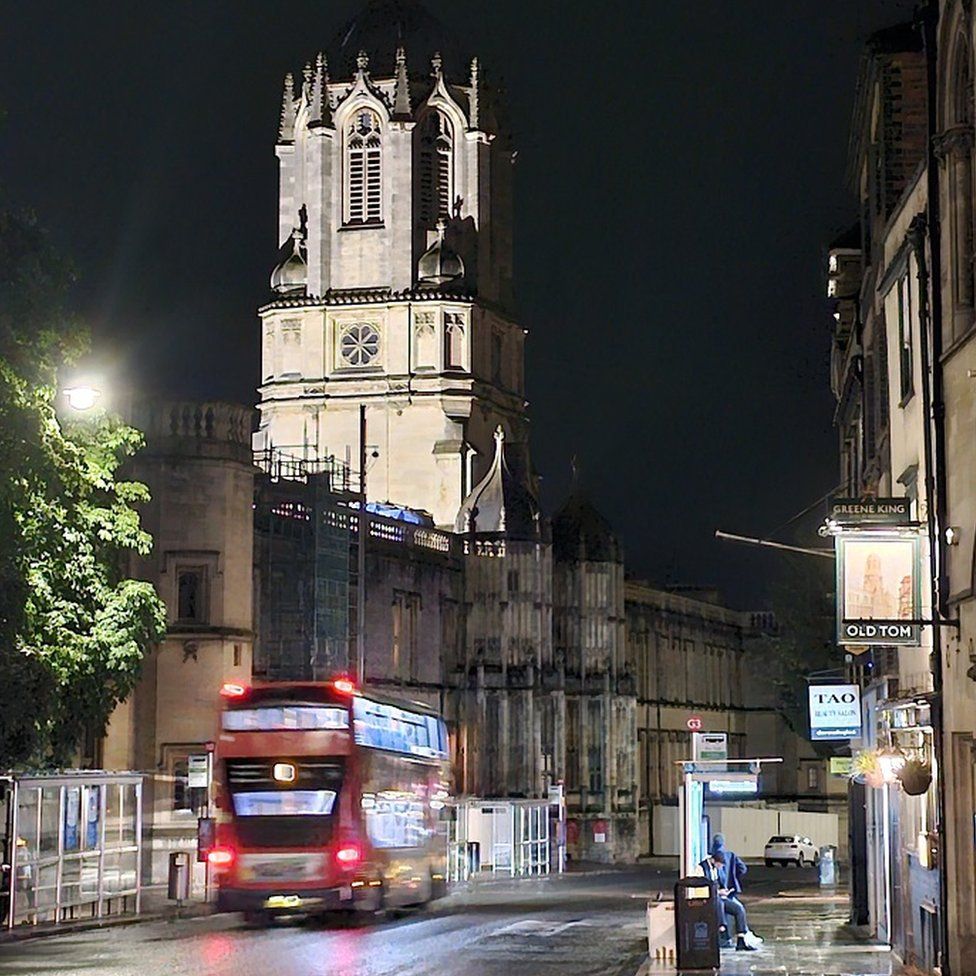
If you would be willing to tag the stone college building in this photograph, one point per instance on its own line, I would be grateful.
(392, 370)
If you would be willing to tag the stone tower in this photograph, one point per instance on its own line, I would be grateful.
(393, 287)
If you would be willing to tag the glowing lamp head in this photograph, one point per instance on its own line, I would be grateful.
(82, 396)
(348, 855)
(220, 857)
(283, 772)
(890, 763)
(231, 690)
(345, 686)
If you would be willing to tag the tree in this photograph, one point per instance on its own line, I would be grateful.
(73, 628)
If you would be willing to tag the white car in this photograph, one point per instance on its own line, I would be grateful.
(791, 849)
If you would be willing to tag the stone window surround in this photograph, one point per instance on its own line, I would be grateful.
(207, 562)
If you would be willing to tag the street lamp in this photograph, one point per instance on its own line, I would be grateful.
(891, 761)
(82, 397)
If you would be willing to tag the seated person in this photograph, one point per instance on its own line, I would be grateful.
(723, 867)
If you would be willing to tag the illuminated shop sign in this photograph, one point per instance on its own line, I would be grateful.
(835, 712)
(873, 511)
(878, 595)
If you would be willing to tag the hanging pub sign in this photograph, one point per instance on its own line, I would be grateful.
(870, 511)
(835, 712)
(878, 588)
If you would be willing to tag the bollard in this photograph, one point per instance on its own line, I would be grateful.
(828, 866)
(178, 889)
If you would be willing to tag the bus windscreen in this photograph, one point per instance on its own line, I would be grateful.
(284, 803)
(284, 718)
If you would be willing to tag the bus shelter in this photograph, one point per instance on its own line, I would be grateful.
(72, 845)
(697, 775)
(510, 837)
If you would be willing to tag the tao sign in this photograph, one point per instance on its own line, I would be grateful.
(835, 712)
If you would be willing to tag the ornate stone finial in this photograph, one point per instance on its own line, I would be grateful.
(499, 438)
(574, 465)
(475, 96)
(401, 91)
(319, 97)
(362, 62)
(286, 125)
(437, 64)
(458, 205)
(307, 78)
(441, 228)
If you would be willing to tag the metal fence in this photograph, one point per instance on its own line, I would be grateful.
(72, 846)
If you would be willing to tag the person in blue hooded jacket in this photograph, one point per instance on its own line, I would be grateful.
(727, 869)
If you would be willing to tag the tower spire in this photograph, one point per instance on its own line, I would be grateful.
(401, 93)
(362, 65)
(474, 102)
(286, 125)
(319, 98)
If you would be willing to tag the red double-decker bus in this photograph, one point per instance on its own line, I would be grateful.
(329, 799)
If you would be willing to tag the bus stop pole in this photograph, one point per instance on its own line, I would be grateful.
(14, 821)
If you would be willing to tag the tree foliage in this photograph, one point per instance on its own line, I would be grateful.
(73, 629)
(803, 601)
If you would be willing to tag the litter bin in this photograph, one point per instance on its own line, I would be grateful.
(696, 923)
(179, 876)
(828, 866)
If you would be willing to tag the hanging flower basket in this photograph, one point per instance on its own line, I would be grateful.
(915, 776)
(866, 768)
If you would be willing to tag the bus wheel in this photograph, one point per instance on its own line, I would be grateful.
(438, 887)
(257, 919)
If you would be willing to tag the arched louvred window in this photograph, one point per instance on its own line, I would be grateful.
(436, 167)
(364, 169)
(961, 175)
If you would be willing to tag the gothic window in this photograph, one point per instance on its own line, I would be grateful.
(453, 340)
(436, 154)
(291, 347)
(959, 162)
(359, 344)
(496, 358)
(905, 337)
(364, 171)
(425, 340)
(594, 722)
(406, 617)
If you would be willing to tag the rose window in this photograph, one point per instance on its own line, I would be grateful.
(359, 345)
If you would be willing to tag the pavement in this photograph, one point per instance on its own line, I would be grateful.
(805, 931)
(585, 923)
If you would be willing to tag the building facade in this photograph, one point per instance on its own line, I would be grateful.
(905, 290)
(386, 523)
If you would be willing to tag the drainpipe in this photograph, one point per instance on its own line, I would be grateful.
(930, 311)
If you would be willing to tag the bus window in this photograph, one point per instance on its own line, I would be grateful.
(284, 803)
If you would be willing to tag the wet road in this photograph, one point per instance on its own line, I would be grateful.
(578, 925)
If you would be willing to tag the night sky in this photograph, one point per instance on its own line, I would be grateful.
(681, 167)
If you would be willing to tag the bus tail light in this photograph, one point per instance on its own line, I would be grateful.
(348, 855)
(345, 686)
(221, 858)
(230, 689)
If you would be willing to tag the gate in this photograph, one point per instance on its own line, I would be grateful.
(73, 843)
